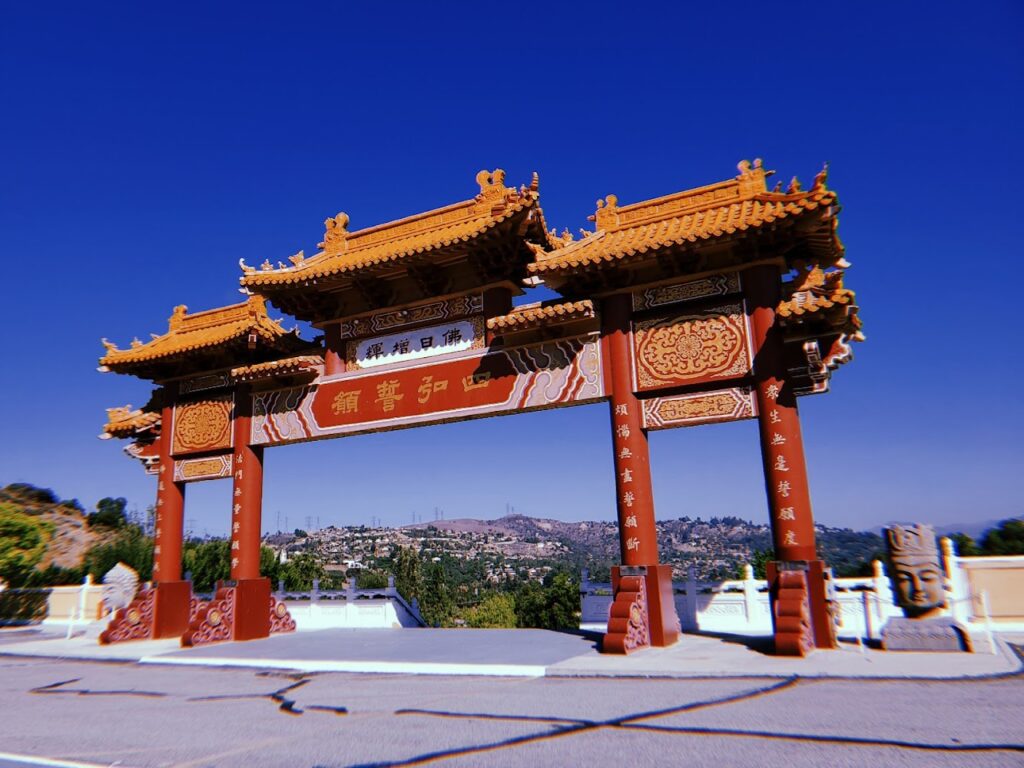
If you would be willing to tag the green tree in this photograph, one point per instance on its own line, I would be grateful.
(368, 578)
(436, 601)
(496, 611)
(109, 514)
(29, 492)
(298, 573)
(270, 566)
(1005, 539)
(408, 581)
(553, 605)
(207, 561)
(23, 540)
(128, 546)
(964, 545)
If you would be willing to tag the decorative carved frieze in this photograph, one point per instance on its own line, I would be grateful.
(186, 470)
(460, 306)
(722, 284)
(695, 408)
(203, 383)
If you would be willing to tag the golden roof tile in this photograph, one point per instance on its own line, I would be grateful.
(187, 333)
(343, 251)
(288, 366)
(124, 422)
(816, 294)
(530, 316)
(703, 214)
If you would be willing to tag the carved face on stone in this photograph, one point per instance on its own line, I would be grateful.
(916, 573)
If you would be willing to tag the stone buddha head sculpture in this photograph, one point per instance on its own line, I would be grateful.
(915, 570)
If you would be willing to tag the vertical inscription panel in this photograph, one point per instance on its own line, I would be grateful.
(709, 345)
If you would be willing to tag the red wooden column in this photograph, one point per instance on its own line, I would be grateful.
(252, 593)
(170, 510)
(638, 540)
(246, 494)
(334, 356)
(782, 453)
(173, 596)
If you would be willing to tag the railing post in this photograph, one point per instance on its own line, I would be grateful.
(690, 615)
(315, 592)
(988, 621)
(749, 593)
(280, 587)
(868, 624)
(391, 592)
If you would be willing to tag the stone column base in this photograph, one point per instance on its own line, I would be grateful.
(801, 612)
(240, 610)
(643, 612)
(158, 612)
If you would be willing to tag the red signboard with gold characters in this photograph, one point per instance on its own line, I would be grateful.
(407, 392)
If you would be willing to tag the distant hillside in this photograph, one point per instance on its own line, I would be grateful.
(715, 547)
(71, 538)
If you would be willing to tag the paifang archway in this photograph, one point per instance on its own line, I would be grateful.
(718, 303)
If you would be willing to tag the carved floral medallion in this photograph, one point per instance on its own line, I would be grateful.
(202, 425)
(689, 349)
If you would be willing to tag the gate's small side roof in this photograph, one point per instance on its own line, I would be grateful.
(188, 335)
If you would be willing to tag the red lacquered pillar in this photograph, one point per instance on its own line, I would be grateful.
(782, 450)
(246, 493)
(638, 539)
(173, 596)
(170, 510)
(334, 357)
(252, 593)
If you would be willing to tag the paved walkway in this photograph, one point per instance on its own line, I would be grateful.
(519, 653)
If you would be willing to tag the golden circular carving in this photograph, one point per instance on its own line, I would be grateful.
(213, 617)
(133, 616)
(202, 425)
(681, 350)
(280, 610)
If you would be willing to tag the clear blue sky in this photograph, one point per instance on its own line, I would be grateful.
(145, 148)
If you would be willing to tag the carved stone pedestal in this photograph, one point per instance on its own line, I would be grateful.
(643, 612)
(939, 634)
(158, 612)
(801, 612)
(240, 610)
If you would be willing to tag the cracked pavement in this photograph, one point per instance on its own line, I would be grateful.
(127, 714)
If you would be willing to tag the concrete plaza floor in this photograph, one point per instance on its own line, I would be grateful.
(518, 653)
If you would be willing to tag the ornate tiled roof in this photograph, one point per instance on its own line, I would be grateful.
(530, 316)
(697, 215)
(288, 366)
(188, 333)
(346, 252)
(819, 295)
(124, 422)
